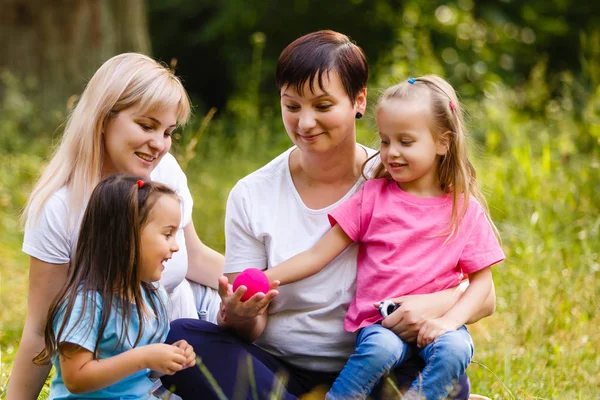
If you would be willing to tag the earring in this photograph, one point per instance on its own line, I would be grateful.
(358, 115)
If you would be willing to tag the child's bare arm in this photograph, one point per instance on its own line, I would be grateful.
(82, 374)
(313, 260)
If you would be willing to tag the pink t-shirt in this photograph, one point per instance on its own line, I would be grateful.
(401, 251)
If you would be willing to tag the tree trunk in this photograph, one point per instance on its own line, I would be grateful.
(55, 46)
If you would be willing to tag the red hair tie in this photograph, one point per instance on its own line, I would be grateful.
(140, 183)
(452, 106)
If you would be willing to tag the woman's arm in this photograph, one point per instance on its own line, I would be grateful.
(313, 260)
(407, 320)
(416, 309)
(487, 308)
(205, 265)
(244, 249)
(82, 374)
(468, 306)
(246, 319)
(45, 281)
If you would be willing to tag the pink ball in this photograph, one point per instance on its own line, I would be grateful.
(254, 279)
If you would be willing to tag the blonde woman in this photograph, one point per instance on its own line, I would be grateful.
(122, 123)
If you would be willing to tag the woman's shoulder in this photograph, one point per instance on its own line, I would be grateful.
(370, 152)
(49, 237)
(168, 167)
(56, 209)
(372, 161)
(60, 198)
(266, 176)
(262, 185)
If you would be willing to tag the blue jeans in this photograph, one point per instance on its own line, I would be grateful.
(379, 350)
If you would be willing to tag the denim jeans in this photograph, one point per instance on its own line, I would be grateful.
(379, 350)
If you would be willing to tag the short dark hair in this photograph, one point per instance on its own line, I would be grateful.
(319, 52)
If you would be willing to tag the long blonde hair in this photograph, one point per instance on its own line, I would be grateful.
(124, 81)
(455, 171)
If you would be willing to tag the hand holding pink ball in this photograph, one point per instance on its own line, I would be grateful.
(255, 281)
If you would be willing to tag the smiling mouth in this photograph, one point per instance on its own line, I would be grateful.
(397, 165)
(145, 157)
(310, 137)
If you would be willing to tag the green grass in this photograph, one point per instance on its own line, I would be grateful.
(542, 180)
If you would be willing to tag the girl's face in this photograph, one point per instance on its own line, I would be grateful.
(157, 238)
(409, 150)
(320, 121)
(135, 141)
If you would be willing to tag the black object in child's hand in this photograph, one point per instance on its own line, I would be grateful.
(387, 307)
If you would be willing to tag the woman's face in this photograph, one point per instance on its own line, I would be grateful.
(135, 141)
(321, 121)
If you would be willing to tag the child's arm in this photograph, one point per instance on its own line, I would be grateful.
(480, 286)
(82, 374)
(312, 260)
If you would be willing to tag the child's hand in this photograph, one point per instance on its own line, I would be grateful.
(188, 353)
(433, 329)
(164, 358)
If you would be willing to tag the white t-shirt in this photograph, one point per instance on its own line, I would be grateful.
(53, 239)
(266, 223)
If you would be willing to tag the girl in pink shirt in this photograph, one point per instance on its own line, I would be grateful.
(421, 224)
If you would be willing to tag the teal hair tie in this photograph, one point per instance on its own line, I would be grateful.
(411, 80)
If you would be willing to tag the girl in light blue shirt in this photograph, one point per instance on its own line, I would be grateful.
(104, 332)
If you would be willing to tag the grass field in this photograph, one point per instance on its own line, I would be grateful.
(542, 180)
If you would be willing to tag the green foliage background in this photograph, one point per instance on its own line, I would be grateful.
(528, 74)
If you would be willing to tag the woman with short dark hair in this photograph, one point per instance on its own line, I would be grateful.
(281, 210)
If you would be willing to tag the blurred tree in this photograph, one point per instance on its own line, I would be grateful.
(55, 46)
(534, 47)
(472, 42)
(215, 41)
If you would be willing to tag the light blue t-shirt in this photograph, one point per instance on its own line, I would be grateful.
(85, 333)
